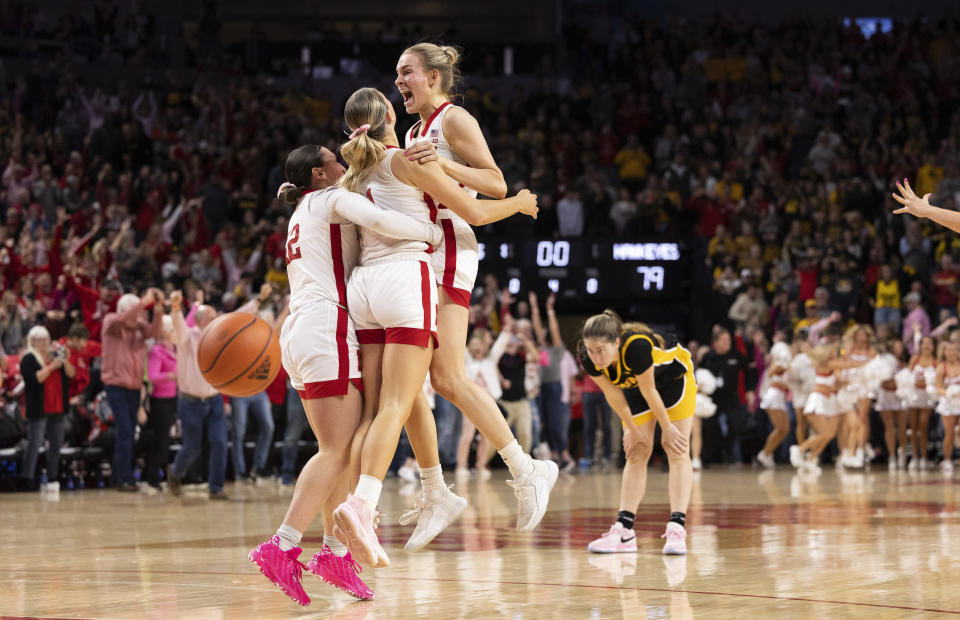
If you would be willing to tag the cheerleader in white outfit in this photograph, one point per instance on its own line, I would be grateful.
(774, 400)
(822, 408)
(860, 342)
(948, 386)
(890, 405)
(801, 378)
(920, 402)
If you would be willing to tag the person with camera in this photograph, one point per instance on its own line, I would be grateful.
(45, 372)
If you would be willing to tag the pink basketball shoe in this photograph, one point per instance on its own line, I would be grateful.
(618, 539)
(340, 572)
(355, 526)
(676, 536)
(281, 567)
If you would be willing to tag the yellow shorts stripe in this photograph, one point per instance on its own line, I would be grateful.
(683, 408)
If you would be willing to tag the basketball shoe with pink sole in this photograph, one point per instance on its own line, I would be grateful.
(281, 567)
(355, 526)
(618, 539)
(340, 572)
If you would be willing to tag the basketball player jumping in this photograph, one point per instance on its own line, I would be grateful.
(392, 299)
(448, 137)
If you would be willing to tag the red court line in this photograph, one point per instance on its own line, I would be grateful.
(536, 583)
(34, 618)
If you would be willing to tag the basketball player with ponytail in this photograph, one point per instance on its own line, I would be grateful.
(392, 300)
(449, 138)
(645, 379)
(319, 349)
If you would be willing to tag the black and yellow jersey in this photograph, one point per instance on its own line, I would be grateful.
(673, 369)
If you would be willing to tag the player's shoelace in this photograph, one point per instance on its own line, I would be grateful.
(519, 489)
(418, 507)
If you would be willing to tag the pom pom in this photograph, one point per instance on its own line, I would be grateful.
(905, 384)
(780, 354)
(706, 382)
(705, 406)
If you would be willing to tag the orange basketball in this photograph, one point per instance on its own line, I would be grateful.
(239, 354)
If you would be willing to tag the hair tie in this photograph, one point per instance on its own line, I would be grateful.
(359, 130)
(283, 187)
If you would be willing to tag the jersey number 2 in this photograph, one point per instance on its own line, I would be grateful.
(293, 250)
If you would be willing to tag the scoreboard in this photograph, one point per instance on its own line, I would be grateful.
(586, 269)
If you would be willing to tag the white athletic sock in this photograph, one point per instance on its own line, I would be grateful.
(432, 480)
(289, 537)
(518, 461)
(338, 548)
(368, 489)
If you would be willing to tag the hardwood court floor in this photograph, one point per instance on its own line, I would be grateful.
(762, 545)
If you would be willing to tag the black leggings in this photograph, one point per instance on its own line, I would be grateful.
(163, 411)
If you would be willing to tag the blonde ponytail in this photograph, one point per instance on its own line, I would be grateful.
(365, 148)
(361, 154)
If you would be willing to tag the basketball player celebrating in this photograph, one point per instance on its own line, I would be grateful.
(449, 138)
(391, 299)
(319, 349)
(644, 379)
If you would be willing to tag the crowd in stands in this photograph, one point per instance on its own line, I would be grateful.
(774, 149)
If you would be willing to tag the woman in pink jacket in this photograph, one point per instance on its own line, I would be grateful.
(162, 373)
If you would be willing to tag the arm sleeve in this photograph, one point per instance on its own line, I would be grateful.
(391, 224)
(189, 319)
(499, 346)
(749, 373)
(29, 366)
(813, 334)
(638, 355)
(170, 222)
(179, 326)
(110, 323)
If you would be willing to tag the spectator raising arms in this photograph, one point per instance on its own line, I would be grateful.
(124, 334)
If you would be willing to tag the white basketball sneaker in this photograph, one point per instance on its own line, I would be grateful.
(432, 516)
(766, 460)
(796, 457)
(533, 493)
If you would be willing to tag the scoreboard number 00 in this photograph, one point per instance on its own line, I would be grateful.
(553, 253)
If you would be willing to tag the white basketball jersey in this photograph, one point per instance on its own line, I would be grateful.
(432, 131)
(388, 192)
(320, 253)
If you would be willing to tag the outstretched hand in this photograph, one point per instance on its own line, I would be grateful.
(912, 204)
